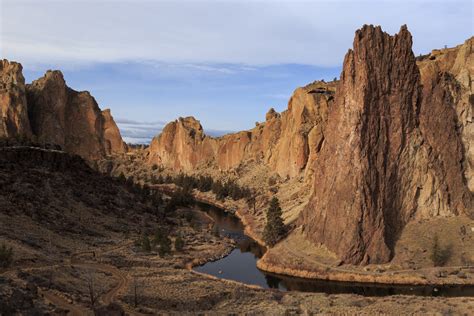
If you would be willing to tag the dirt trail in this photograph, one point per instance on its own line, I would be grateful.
(74, 310)
(75, 260)
(121, 287)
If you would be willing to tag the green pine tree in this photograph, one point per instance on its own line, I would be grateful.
(165, 246)
(6, 256)
(159, 235)
(146, 246)
(275, 228)
(215, 231)
(439, 255)
(179, 243)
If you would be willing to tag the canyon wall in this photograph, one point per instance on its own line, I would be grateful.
(284, 142)
(51, 112)
(388, 143)
(392, 152)
(447, 78)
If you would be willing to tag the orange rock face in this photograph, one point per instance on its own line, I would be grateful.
(13, 108)
(71, 119)
(112, 138)
(447, 74)
(54, 113)
(182, 145)
(391, 152)
(282, 142)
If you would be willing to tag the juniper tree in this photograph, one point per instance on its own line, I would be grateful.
(179, 243)
(146, 243)
(165, 246)
(6, 256)
(439, 255)
(274, 228)
(215, 231)
(159, 235)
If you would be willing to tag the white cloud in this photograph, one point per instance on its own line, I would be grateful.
(203, 32)
(139, 131)
(142, 132)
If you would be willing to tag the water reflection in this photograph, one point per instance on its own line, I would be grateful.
(240, 265)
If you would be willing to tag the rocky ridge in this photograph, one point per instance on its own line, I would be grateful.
(51, 112)
(284, 142)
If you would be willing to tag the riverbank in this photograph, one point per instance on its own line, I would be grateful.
(320, 264)
(239, 209)
(295, 256)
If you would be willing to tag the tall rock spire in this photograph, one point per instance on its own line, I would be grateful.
(375, 170)
(13, 109)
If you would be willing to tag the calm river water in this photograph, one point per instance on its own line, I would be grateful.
(240, 265)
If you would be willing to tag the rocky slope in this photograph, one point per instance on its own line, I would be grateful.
(54, 113)
(73, 231)
(389, 143)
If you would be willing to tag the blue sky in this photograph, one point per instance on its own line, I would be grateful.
(224, 62)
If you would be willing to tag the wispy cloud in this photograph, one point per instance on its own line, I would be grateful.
(137, 140)
(139, 123)
(208, 68)
(198, 33)
(142, 132)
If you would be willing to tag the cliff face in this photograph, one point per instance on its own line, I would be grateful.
(389, 143)
(13, 109)
(53, 113)
(113, 142)
(283, 142)
(71, 119)
(447, 79)
(182, 145)
(391, 152)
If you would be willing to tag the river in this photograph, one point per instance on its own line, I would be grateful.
(240, 265)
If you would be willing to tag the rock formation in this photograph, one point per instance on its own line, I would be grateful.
(386, 158)
(71, 119)
(388, 143)
(51, 112)
(182, 145)
(13, 109)
(446, 76)
(283, 142)
(112, 138)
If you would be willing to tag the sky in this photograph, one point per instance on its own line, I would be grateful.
(224, 62)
